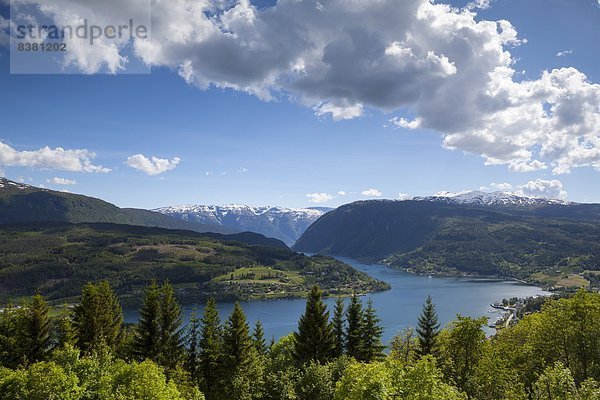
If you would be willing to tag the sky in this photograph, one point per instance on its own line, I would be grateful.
(313, 103)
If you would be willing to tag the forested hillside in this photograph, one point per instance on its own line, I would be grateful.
(431, 237)
(58, 259)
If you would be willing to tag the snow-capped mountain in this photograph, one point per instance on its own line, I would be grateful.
(286, 224)
(491, 199)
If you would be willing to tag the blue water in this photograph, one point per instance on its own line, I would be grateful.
(398, 308)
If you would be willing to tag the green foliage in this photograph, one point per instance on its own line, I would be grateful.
(404, 346)
(462, 347)
(314, 339)
(394, 380)
(98, 318)
(372, 348)
(427, 329)
(315, 382)
(211, 354)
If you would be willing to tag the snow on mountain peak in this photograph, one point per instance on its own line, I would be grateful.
(490, 198)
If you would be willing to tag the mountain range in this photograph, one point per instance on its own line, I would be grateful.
(499, 234)
(286, 224)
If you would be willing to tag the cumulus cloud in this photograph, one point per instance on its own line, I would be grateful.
(341, 193)
(452, 71)
(46, 158)
(371, 193)
(404, 123)
(319, 197)
(61, 181)
(153, 165)
(551, 189)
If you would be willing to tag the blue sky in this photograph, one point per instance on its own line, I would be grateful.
(234, 147)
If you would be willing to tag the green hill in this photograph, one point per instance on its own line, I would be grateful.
(59, 258)
(434, 237)
(20, 203)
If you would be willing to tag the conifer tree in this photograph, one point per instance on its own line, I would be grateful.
(258, 337)
(192, 358)
(314, 340)
(354, 328)
(428, 329)
(338, 327)
(239, 359)
(146, 342)
(35, 325)
(211, 350)
(372, 330)
(170, 346)
(98, 318)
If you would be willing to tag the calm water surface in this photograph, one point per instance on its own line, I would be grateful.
(398, 308)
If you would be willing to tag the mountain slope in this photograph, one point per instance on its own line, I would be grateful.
(286, 224)
(20, 203)
(439, 236)
(59, 258)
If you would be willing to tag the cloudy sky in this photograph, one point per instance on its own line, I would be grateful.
(304, 103)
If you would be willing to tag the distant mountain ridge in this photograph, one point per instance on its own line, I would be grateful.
(485, 235)
(22, 203)
(286, 224)
(491, 199)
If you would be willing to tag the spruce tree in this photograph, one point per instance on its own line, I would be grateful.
(170, 346)
(354, 328)
(98, 318)
(428, 329)
(314, 340)
(35, 325)
(372, 347)
(239, 357)
(211, 350)
(337, 324)
(258, 337)
(192, 358)
(146, 342)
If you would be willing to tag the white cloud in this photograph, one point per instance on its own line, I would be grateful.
(152, 166)
(341, 193)
(565, 52)
(404, 123)
(480, 4)
(551, 189)
(319, 197)
(450, 69)
(371, 193)
(502, 187)
(404, 196)
(75, 160)
(61, 181)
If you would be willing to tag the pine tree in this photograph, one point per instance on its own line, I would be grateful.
(170, 346)
(35, 325)
(314, 340)
(211, 350)
(258, 337)
(192, 358)
(354, 328)
(337, 324)
(372, 347)
(428, 329)
(146, 343)
(236, 340)
(98, 318)
(239, 357)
